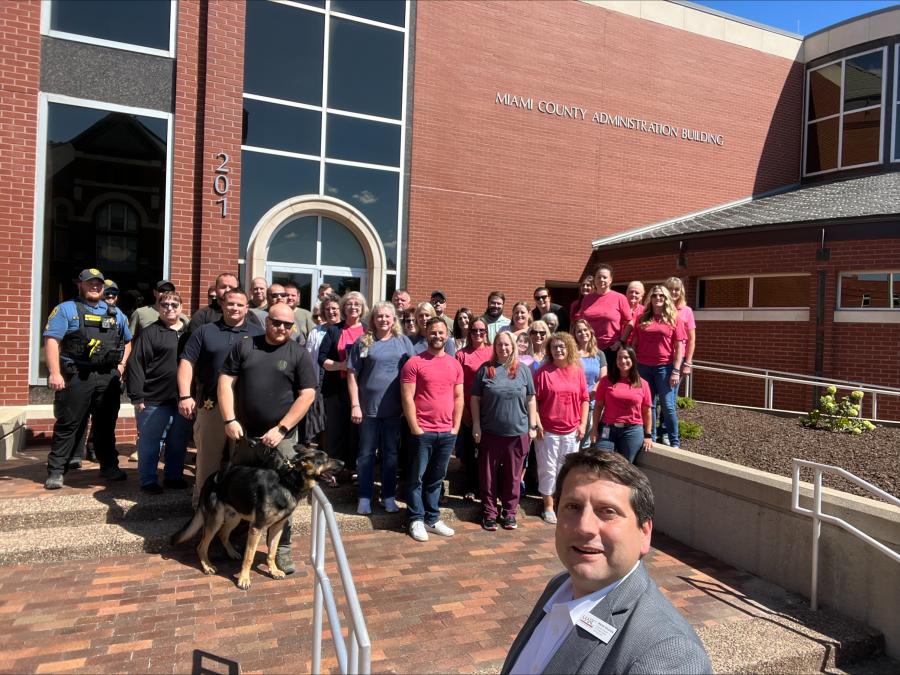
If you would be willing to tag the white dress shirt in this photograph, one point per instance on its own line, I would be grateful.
(561, 613)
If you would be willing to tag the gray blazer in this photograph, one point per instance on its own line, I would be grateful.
(651, 636)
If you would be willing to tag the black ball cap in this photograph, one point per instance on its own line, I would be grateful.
(91, 273)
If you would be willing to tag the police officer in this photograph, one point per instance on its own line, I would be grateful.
(87, 343)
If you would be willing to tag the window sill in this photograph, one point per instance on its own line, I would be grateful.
(867, 316)
(751, 314)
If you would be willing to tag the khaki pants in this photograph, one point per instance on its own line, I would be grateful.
(210, 439)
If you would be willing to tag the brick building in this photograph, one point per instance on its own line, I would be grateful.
(463, 145)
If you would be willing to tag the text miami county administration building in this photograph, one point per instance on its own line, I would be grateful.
(460, 145)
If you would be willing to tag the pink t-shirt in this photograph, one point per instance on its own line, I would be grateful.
(560, 393)
(471, 361)
(686, 314)
(635, 313)
(607, 314)
(654, 343)
(349, 335)
(435, 378)
(621, 403)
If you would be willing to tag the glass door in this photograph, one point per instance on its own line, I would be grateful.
(309, 278)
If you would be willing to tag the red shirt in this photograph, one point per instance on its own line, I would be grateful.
(607, 314)
(635, 314)
(622, 403)
(560, 393)
(686, 314)
(654, 343)
(435, 378)
(471, 360)
(349, 335)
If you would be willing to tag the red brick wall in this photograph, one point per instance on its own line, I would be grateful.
(41, 431)
(853, 351)
(208, 109)
(19, 81)
(514, 197)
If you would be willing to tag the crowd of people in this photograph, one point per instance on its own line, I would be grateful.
(403, 386)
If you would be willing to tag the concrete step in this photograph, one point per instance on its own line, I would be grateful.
(879, 665)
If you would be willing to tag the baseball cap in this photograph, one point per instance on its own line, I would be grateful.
(165, 285)
(91, 273)
(110, 284)
(440, 295)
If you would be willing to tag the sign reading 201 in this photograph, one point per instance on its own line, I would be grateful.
(221, 182)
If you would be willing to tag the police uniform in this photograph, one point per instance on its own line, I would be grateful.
(92, 342)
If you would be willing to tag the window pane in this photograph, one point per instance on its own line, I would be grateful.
(824, 92)
(862, 81)
(386, 11)
(340, 247)
(283, 52)
(363, 141)
(375, 193)
(281, 127)
(390, 285)
(865, 290)
(822, 145)
(342, 285)
(724, 293)
(104, 203)
(365, 69)
(267, 180)
(303, 280)
(138, 22)
(862, 137)
(296, 242)
(792, 291)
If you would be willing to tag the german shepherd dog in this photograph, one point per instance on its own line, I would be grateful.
(264, 497)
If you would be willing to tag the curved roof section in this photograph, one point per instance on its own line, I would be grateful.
(869, 196)
(875, 25)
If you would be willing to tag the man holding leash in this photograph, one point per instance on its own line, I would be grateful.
(605, 614)
(266, 385)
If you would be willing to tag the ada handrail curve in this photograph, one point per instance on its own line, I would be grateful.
(360, 656)
(818, 517)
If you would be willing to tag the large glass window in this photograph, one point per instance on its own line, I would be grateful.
(143, 23)
(283, 52)
(104, 204)
(363, 140)
(385, 11)
(281, 127)
(763, 292)
(869, 290)
(844, 113)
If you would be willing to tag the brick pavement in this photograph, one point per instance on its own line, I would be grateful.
(449, 605)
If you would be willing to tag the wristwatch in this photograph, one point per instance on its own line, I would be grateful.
(534, 427)
(283, 430)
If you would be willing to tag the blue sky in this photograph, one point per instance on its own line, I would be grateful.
(797, 16)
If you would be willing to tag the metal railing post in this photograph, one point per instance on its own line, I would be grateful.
(874, 406)
(317, 595)
(816, 533)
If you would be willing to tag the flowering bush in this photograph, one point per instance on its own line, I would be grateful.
(837, 415)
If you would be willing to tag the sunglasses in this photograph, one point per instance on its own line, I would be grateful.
(110, 294)
(542, 333)
(278, 323)
(657, 295)
(409, 322)
(278, 295)
(478, 331)
(169, 305)
(541, 297)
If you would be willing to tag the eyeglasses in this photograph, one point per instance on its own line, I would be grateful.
(110, 294)
(437, 301)
(278, 295)
(478, 331)
(657, 295)
(541, 333)
(168, 305)
(541, 297)
(278, 323)
(408, 322)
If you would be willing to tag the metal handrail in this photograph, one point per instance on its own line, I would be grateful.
(818, 517)
(823, 380)
(770, 379)
(360, 657)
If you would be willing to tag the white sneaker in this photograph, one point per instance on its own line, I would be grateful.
(417, 531)
(364, 506)
(441, 529)
(390, 505)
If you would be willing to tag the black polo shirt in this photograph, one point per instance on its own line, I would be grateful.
(207, 349)
(269, 380)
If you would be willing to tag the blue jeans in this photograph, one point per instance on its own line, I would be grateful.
(658, 379)
(627, 440)
(429, 457)
(586, 441)
(158, 423)
(382, 433)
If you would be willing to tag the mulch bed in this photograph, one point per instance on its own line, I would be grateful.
(768, 442)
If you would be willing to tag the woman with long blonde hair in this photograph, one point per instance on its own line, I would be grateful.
(658, 341)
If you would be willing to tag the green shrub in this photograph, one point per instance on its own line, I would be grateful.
(685, 403)
(836, 415)
(689, 430)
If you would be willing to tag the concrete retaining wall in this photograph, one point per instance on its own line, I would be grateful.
(743, 517)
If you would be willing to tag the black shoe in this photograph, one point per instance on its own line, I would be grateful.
(509, 523)
(54, 481)
(89, 454)
(113, 473)
(284, 561)
(489, 524)
(175, 483)
(74, 463)
(152, 489)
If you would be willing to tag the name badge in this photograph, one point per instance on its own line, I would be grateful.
(604, 433)
(596, 627)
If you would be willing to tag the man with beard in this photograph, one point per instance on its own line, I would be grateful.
(401, 300)
(266, 386)
(431, 390)
(493, 315)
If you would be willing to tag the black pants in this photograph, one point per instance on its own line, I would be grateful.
(87, 393)
(341, 435)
